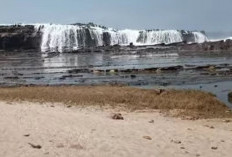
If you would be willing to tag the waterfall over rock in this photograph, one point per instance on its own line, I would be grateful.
(67, 38)
(72, 37)
(199, 37)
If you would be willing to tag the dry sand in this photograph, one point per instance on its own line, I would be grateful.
(90, 132)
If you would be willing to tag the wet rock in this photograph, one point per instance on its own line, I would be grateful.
(38, 78)
(127, 70)
(69, 76)
(164, 84)
(117, 116)
(133, 76)
(17, 37)
(52, 54)
(35, 146)
(78, 71)
(131, 45)
(147, 137)
(172, 68)
(230, 97)
(208, 46)
(12, 77)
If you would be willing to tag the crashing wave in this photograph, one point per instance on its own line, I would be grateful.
(72, 37)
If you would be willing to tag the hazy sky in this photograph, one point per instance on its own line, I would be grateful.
(209, 15)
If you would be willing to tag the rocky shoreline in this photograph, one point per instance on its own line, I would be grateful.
(28, 37)
(19, 38)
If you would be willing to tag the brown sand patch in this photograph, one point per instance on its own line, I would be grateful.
(176, 102)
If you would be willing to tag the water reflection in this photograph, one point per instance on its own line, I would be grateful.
(74, 60)
(117, 61)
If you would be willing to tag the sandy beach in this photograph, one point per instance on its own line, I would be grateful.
(115, 78)
(52, 129)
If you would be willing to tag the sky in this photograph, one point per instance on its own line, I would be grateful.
(208, 15)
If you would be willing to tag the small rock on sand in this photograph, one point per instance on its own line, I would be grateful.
(211, 127)
(176, 141)
(227, 121)
(160, 91)
(151, 121)
(26, 135)
(214, 148)
(117, 116)
(35, 146)
(147, 137)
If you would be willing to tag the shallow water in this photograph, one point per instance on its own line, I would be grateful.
(35, 68)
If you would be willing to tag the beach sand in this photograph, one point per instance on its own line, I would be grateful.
(91, 132)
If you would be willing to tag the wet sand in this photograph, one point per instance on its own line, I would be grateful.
(56, 130)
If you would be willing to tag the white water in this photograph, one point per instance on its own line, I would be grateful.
(161, 36)
(59, 37)
(220, 39)
(72, 37)
(200, 37)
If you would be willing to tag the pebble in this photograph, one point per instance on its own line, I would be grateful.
(35, 146)
(151, 121)
(26, 135)
(117, 116)
(176, 141)
(147, 137)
